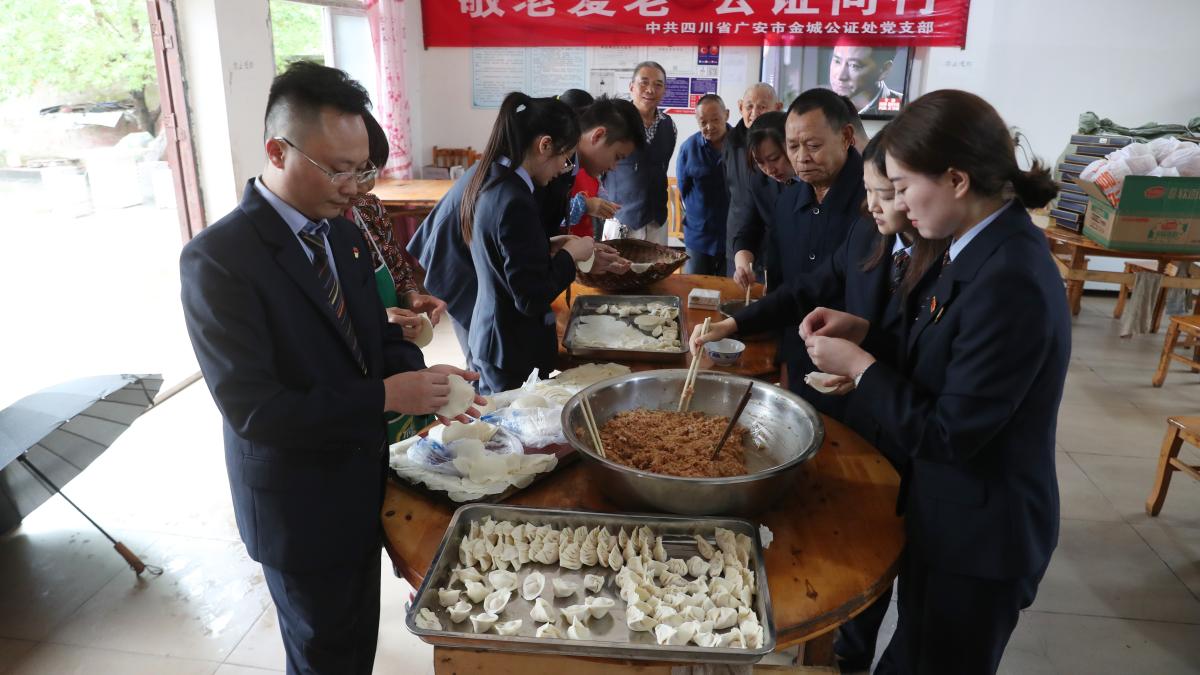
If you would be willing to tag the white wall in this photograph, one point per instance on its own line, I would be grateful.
(1043, 63)
(229, 60)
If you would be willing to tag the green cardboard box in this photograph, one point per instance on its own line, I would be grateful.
(1154, 214)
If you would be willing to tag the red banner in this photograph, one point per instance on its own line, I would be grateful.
(567, 23)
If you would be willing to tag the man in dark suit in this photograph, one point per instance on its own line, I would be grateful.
(292, 338)
(814, 215)
(740, 176)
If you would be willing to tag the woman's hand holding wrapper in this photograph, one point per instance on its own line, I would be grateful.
(833, 338)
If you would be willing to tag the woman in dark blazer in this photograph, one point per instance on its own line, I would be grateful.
(517, 269)
(969, 396)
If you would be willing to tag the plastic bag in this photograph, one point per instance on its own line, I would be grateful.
(1186, 159)
(1092, 170)
(1141, 165)
(1162, 147)
(1164, 172)
(535, 427)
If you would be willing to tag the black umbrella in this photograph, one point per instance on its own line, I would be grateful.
(48, 438)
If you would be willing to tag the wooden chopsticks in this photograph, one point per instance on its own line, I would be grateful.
(590, 420)
(747, 297)
(689, 382)
(733, 420)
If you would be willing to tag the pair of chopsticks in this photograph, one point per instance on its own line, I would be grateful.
(590, 420)
(689, 382)
(747, 298)
(733, 420)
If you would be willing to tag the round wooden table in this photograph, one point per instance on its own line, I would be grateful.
(757, 361)
(836, 549)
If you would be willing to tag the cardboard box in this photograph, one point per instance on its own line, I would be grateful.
(1154, 214)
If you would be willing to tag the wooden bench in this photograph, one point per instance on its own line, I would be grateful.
(1182, 333)
(1179, 431)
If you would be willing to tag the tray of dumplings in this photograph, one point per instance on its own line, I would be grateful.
(580, 583)
(638, 327)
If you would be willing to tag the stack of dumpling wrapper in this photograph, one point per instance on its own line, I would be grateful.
(472, 470)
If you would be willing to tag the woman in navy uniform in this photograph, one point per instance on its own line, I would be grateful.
(517, 270)
(966, 387)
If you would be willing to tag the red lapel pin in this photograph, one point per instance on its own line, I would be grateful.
(355, 252)
(932, 304)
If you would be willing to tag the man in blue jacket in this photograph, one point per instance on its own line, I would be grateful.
(700, 168)
(281, 307)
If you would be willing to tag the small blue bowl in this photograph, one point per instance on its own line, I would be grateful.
(724, 352)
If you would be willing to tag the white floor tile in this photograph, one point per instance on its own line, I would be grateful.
(1087, 645)
(262, 645)
(1127, 481)
(1178, 547)
(1109, 428)
(1106, 569)
(1080, 498)
(56, 659)
(53, 564)
(200, 608)
(230, 669)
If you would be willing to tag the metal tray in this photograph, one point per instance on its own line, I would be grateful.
(611, 638)
(586, 304)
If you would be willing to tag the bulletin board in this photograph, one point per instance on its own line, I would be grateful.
(692, 72)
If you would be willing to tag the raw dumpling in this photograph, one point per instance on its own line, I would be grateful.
(548, 630)
(476, 590)
(733, 639)
(588, 554)
(723, 617)
(564, 588)
(726, 541)
(578, 631)
(576, 612)
(424, 332)
(462, 396)
(464, 574)
(585, 266)
(509, 627)
(480, 431)
(664, 634)
(448, 596)
(503, 581)
(459, 612)
(697, 566)
(482, 623)
(684, 632)
(602, 550)
(496, 601)
(568, 557)
(426, 620)
(638, 620)
(660, 553)
(754, 639)
(533, 585)
(543, 611)
(529, 401)
(598, 607)
(615, 560)
(677, 566)
(707, 640)
(593, 582)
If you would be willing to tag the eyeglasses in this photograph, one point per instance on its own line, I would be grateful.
(340, 177)
(569, 163)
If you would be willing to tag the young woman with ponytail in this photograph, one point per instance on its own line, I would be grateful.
(968, 397)
(518, 270)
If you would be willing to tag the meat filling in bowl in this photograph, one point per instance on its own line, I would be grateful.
(673, 443)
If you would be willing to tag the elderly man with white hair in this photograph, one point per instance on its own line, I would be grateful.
(739, 174)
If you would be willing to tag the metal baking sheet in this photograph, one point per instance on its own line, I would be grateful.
(611, 638)
(587, 304)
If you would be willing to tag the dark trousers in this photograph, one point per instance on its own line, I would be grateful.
(855, 642)
(329, 619)
(493, 379)
(953, 624)
(703, 263)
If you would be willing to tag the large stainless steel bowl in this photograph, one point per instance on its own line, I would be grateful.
(784, 427)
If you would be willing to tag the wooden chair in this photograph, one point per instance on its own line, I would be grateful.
(1182, 333)
(448, 157)
(1160, 303)
(1180, 430)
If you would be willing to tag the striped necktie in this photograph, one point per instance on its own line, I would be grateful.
(899, 267)
(314, 237)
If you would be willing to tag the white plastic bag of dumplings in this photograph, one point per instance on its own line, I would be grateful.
(528, 415)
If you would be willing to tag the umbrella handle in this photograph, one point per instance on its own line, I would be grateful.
(135, 563)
